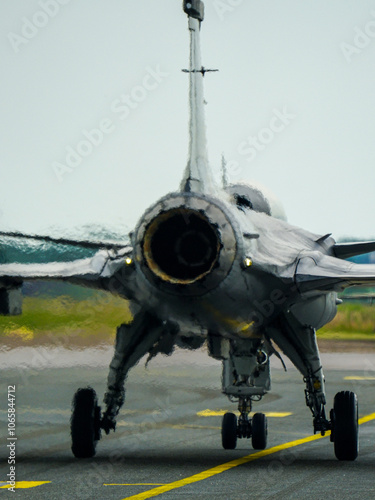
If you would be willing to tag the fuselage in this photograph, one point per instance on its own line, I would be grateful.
(213, 264)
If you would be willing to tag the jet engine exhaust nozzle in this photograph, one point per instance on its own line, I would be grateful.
(181, 246)
(185, 244)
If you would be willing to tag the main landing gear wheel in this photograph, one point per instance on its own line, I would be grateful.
(229, 431)
(85, 423)
(345, 426)
(259, 431)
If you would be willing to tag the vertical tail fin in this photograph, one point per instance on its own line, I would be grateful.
(198, 176)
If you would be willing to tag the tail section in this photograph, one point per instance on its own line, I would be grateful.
(198, 176)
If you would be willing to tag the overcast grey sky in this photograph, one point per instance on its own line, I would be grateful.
(292, 108)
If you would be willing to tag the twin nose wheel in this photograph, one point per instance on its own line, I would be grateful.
(256, 428)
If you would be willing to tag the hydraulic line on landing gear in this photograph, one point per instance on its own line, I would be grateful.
(244, 423)
(320, 422)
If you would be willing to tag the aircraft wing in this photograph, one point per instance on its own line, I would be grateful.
(316, 271)
(346, 250)
(94, 272)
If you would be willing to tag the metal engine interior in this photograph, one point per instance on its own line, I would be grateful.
(185, 241)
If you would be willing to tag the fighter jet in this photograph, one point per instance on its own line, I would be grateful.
(218, 265)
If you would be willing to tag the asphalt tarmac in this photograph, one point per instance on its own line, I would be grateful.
(167, 443)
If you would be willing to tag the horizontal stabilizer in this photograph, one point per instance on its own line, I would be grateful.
(320, 272)
(346, 250)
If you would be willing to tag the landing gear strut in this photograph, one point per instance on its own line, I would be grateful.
(256, 428)
(343, 422)
(299, 343)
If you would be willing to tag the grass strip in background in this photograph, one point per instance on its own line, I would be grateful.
(95, 319)
(90, 320)
(354, 321)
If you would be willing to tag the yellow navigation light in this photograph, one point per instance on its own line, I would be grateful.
(128, 260)
(248, 262)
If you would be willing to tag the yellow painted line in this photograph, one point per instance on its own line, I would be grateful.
(220, 468)
(211, 413)
(220, 413)
(173, 426)
(357, 377)
(367, 418)
(233, 463)
(278, 414)
(24, 484)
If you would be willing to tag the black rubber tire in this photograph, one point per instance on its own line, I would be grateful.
(85, 423)
(259, 431)
(229, 431)
(345, 432)
(332, 418)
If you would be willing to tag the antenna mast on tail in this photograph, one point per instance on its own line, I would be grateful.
(198, 176)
